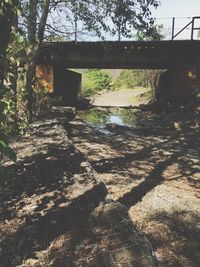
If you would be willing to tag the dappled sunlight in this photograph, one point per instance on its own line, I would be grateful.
(50, 179)
(154, 171)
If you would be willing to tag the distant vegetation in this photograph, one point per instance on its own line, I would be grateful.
(95, 81)
(130, 79)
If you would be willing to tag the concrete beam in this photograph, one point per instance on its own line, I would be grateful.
(129, 54)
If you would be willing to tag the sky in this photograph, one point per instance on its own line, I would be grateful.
(177, 8)
(181, 10)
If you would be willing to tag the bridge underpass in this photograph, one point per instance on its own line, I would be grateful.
(54, 58)
(158, 160)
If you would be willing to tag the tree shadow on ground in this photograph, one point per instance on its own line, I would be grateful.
(40, 201)
(36, 230)
(159, 147)
(134, 163)
(153, 179)
(42, 173)
(183, 240)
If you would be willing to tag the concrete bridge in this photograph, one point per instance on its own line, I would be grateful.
(126, 54)
(181, 58)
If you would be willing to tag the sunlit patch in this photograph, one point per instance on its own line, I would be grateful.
(192, 74)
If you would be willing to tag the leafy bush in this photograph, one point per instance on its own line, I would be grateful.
(5, 149)
(95, 81)
(96, 117)
(129, 79)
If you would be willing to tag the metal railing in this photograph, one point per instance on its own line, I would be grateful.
(193, 28)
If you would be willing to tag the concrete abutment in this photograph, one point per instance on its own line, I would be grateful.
(176, 84)
(59, 81)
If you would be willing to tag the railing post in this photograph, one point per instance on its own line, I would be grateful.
(173, 27)
(192, 29)
(76, 29)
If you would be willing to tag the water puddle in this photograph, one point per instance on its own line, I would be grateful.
(101, 119)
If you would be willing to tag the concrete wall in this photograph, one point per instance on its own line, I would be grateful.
(176, 85)
(45, 78)
(67, 84)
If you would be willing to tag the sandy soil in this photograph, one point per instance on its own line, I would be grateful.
(117, 98)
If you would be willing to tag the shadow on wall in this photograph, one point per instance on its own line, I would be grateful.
(175, 85)
(67, 84)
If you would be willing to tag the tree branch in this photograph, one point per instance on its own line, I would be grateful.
(42, 24)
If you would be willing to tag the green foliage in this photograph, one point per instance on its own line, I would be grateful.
(13, 89)
(129, 79)
(129, 15)
(96, 117)
(155, 33)
(130, 117)
(5, 149)
(95, 81)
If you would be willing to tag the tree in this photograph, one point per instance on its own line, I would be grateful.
(6, 19)
(95, 81)
(129, 15)
(130, 79)
(155, 33)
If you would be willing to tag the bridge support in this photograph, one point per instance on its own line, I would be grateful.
(176, 84)
(59, 81)
(67, 84)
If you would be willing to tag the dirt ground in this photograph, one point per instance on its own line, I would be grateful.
(153, 169)
(117, 98)
(55, 211)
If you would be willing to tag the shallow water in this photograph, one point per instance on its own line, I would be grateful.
(102, 118)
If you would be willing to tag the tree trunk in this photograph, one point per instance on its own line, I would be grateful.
(35, 39)
(32, 27)
(5, 31)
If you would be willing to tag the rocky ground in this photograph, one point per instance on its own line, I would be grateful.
(153, 169)
(55, 210)
(83, 197)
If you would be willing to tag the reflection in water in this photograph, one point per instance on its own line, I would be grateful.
(100, 119)
(130, 117)
(116, 119)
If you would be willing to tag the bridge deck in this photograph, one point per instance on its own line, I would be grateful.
(126, 54)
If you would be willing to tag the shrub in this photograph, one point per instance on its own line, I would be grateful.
(130, 79)
(5, 149)
(95, 81)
